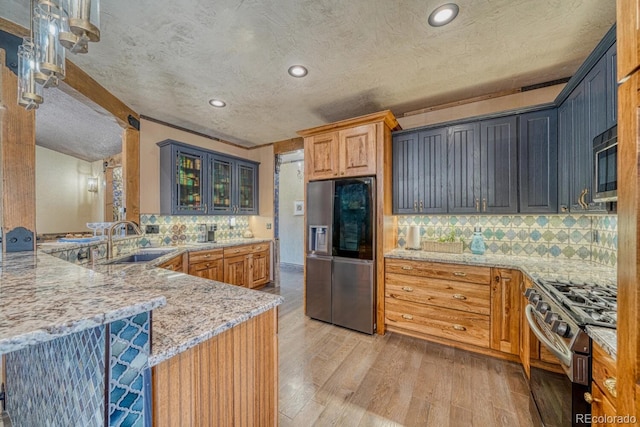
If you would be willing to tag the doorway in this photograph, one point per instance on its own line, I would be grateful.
(289, 217)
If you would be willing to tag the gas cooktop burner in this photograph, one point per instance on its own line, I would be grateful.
(589, 303)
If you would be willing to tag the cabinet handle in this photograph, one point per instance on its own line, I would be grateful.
(407, 317)
(459, 274)
(236, 251)
(407, 267)
(342, 173)
(588, 397)
(415, 206)
(206, 208)
(421, 205)
(207, 265)
(581, 201)
(610, 384)
(459, 296)
(407, 288)
(207, 255)
(459, 328)
(484, 205)
(477, 205)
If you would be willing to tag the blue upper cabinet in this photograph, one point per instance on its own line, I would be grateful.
(612, 86)
(538, 161)
(464, 168)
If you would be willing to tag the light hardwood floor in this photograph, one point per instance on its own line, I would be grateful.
(333, 376)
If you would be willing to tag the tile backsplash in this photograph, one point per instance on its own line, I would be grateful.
(588, 237)
(181, 229)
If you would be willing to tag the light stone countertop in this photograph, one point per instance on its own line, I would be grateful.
(538, 269)
(187, 310)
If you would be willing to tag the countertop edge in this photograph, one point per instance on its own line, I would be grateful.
(157, 358)
(605, 338)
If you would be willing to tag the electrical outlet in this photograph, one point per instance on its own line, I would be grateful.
(268, 226)
(152, 229)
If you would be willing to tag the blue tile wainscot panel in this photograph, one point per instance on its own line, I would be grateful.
(129, 379)
(588, 237)
(58, 383)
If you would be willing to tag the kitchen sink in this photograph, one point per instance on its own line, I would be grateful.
(145, 255)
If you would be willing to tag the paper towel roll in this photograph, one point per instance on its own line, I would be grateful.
(413, 237)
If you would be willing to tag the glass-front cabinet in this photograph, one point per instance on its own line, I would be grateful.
(195, 181)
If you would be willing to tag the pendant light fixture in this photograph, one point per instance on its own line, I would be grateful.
(55, 25)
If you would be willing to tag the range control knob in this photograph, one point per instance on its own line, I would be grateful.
(542, 307)
(551, 317)
(561, 328)
(534, 298)
(528, 292)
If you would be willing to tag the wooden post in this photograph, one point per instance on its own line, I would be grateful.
(131, 173)
(17, 166)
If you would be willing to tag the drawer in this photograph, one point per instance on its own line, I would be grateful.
(455, 325)
(442, 293)
(238, 250)
(458, 272)
(208, 255)
(174, 264)
(604, 372)
(259, 247)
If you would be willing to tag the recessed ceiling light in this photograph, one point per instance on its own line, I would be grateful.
(218, 103)
(297, 71)
(444, 14)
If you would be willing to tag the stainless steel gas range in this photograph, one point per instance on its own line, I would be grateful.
(557, 313)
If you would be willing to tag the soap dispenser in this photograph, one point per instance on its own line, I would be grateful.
(477, 242)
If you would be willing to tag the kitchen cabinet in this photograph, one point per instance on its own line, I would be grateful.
(237, 265)
(260, 270)
(207, 264)
(538, 161)
(505, 310)
(344, 153)
(628, 28)
(420, 172)
(438, 301)
(604, 385)
(596, 92)
(482, 160)
(194, 181)
(611, 58)
(174, 264)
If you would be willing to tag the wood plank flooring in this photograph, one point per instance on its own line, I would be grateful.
(334, 376)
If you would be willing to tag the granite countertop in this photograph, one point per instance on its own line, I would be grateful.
(43, 298)
(538, 269)
(196, 309)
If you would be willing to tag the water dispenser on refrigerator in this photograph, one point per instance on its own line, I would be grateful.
(318, 241)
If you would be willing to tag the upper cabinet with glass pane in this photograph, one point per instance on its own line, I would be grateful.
(194, 181)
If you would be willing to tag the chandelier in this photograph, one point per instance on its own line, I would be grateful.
(55, 25)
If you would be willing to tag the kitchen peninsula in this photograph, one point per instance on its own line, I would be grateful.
(156, 327)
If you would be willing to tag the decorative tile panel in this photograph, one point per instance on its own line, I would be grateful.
(181, 229)
(59, 382)
(588, 237)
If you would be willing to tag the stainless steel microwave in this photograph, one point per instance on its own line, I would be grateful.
(605, 166)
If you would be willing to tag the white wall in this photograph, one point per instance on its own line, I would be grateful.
(291, 228)
(63, 202)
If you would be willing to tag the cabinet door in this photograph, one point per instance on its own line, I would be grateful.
(581, 151)
(405, 200)
(611, 57)
(237, 270)
(538, 161)
(189, 181)
(505, 310)
(247, 188)
(222, 176)
(565, 142)
(628, 34)
(357, 155)
(213, 270)
(498, 166)
(596, 91)
(431, 171)
(174, 264)
(602, 409)
(260, 270)
(321, 156)
(463, 163)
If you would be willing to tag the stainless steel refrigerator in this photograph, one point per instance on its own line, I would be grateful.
(340, 282)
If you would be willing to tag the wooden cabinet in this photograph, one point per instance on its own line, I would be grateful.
(237, 270)
(174, 264)
(345, 153)
(230, 379)
(602, 409)
(195, 181)
(433, 301)
(247, 265)
(420, 172)
(604, 389)
(538, 161)
(260, 272)
(628, 34)
(207, 264)
(505, 310)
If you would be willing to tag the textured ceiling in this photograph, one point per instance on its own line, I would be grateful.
(68, 126)
(166, 58)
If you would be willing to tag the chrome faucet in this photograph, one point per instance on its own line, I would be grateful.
(110, 234)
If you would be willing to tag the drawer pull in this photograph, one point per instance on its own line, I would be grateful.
(236, 251)
(407, 317)
(459, 274)
(459, 296)
(407, 267)
(588, 397)
(610, 384)
(407, 288)
(459, 328)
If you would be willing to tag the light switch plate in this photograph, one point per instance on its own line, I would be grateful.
(268, 226)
